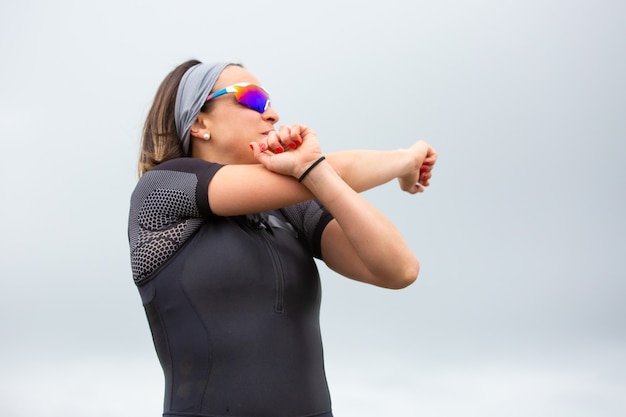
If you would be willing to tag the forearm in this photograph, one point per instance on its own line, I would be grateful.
(264, 189)
(242, 189)
(366, 169)
(378, 244)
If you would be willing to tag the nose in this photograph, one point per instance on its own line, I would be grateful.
(270, 115)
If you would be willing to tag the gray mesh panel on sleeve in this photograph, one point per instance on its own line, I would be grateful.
(164, 215)
(305, 218)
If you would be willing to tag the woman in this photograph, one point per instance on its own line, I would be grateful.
(224, 226)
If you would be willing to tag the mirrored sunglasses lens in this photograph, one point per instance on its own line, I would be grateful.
(254, 98)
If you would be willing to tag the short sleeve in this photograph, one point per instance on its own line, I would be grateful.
(168, 205)
(309, 219)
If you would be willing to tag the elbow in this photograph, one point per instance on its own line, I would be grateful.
(405, 277)
(410, 276)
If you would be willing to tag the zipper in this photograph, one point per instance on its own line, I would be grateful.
(264, 227)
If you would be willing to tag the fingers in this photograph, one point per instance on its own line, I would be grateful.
(427, 167)
(425, 172)
(290, 136)
(286, 150)
(431, 157)
(261, 146)
(286, 138)
(419, 178)
(430, 161)
(273, 143)
(258, 150)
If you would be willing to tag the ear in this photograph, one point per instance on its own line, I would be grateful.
(199, 127)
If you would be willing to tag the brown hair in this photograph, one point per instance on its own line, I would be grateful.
(160, 142)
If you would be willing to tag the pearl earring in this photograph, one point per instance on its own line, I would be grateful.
(207, 136)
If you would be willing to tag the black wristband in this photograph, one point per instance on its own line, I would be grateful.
(313, 165)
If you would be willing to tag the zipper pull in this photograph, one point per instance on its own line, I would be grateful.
(260, 221)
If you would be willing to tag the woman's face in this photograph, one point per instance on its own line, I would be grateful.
(233, 126)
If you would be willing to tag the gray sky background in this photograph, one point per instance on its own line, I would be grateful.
(519, 309)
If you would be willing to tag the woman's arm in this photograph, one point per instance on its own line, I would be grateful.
(242, 189)
(366, 169)
(360, 243)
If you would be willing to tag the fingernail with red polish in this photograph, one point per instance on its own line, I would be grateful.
(292, 146)
(251, 147)
(279, 150)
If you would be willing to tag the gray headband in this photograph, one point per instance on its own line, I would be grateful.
(193, 90)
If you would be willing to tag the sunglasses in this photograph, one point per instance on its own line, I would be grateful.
(248, 95)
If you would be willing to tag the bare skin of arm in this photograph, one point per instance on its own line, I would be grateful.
(360, 243)
(266, 187)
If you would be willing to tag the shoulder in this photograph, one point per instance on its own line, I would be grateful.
(190, 165)
(180, 172)
(180, 182)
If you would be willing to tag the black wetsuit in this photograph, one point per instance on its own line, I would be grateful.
(232, 302)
